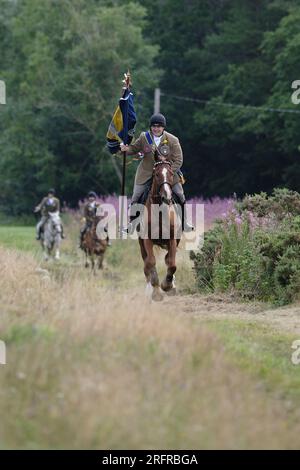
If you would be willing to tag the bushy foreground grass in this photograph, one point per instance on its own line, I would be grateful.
(93, 365)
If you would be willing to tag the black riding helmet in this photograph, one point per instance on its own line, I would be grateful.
(92, 194)
(51, 191)
(158, 119)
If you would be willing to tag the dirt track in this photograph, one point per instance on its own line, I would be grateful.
(220, 306)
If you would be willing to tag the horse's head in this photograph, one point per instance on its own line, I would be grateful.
(163, 179)
(55, 220)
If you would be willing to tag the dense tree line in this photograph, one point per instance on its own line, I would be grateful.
(62, 61)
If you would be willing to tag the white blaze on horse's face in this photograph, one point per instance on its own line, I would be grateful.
(165, 186)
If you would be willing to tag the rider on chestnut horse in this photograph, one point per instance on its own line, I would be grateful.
(90, 212)
(167, 146)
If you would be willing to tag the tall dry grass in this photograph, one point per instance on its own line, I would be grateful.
(93, 366)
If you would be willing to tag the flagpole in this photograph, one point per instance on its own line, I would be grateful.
(123, 121)
(122, 195)
(127, 83)
(123, 174)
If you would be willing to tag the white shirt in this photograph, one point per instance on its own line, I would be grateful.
(157, 140)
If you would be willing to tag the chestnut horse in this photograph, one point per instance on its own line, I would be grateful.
(93, 246)
(165, 225)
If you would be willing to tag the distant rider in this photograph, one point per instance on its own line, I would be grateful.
(48, 204)
(90, 212)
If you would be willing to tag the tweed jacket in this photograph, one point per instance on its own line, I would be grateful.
(169, 147)
(48, 205)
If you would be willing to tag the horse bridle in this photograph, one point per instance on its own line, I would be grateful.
(164, 182)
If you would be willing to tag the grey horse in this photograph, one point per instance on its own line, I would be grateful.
(51, 236)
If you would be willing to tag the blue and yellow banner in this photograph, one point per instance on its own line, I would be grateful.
(121, 128)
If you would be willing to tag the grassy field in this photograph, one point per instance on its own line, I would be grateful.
(92, 364)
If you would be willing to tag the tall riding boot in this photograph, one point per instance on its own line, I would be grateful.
(186, 227)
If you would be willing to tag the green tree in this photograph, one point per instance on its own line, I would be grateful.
(62, 90)
(242, 155)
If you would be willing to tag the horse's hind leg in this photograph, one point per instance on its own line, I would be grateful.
(150, 270)
(168, 284)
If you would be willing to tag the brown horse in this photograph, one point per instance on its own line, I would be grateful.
(93, 246)
(160, 229)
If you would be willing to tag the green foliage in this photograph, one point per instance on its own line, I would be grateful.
(255, 252)
(63, 83)
(238, 265)
(62, 62)
(252, 60)
(280, 204)
(19, 334)
(203, 261)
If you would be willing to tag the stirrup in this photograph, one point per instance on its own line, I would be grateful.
(129, 229)
(188, 228)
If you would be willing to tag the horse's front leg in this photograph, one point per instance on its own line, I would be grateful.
(144, 255)
(100, 261)
(150, 270)
(149, 288)
(168, 284)
(45, 250)
(57, 252)
(93, 264)
(57, 246)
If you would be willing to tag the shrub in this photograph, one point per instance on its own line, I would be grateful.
(255, 250)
